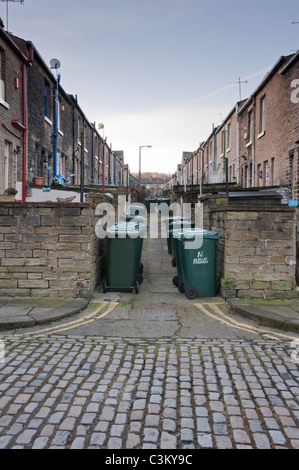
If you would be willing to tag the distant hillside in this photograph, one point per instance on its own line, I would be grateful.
(152, 176)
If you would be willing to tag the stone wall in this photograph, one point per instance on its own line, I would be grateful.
(256, 258)
(50, 249)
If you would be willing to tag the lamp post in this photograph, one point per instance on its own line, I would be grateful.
(142, 146)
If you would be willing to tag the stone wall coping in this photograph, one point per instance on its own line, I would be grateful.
(45, 204)
(252, 208)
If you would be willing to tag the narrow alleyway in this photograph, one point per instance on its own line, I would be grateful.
(151, 370)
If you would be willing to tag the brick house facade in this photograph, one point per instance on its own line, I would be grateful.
(262, 159)
(259, 137)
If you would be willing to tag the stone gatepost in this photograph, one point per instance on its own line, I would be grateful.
(256, 258)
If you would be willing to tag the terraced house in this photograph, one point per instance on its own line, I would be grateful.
(257, 143)
(44, 131)
(13, 73)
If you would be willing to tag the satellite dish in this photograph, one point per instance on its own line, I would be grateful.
(101, 126)
(55, 64)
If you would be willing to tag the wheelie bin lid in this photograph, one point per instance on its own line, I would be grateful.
(129, 217)
(185, 233)
(122, 230)
(182, 223)
(170, 220)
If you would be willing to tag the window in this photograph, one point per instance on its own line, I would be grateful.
(2, 84)
(48, 103)
(262, 115)
(222, 142)
(291, 175)
(2, 80)
(272, 171)
(59, 109)
(250, 128)
(47, 90)
(58, 114)
(259, 175)
(246, 177)
(79, 130)
(266, 173)
(229, 136)
(19, 163)
(7, 152)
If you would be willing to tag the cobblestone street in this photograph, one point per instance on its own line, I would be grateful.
(150, 371)
(69, 392)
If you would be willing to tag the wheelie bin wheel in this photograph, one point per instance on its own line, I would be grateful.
(140, 269)
(175, 281)
(191, 293)
(136, 287)
(181, 287)
(104, 287)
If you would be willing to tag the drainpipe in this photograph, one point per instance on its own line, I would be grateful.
(253, 144)
(82, 176)
(238, 144)
(55, 133)
(92, 152)
(24, 104)
(103, 167)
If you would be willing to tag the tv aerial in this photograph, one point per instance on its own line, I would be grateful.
(11, 1)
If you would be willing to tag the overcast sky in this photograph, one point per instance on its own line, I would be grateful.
(158, 72)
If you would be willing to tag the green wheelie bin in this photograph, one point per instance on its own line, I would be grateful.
(142, 230)
(149, 201)
(169, 221)
(136, 209)
(161, 200)
(177, 226)
(122, 258)
(198, 263)
(178, 278)
(177, 235)
(137, 223)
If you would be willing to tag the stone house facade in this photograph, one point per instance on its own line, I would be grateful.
(12, 111)
(73, 155)
(56, 139)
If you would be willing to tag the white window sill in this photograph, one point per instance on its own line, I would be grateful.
(61, 133)
(261, 135)
(249, 144)
(6, 105)
(48, 121)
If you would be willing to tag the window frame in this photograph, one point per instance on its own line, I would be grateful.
(262, 121)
